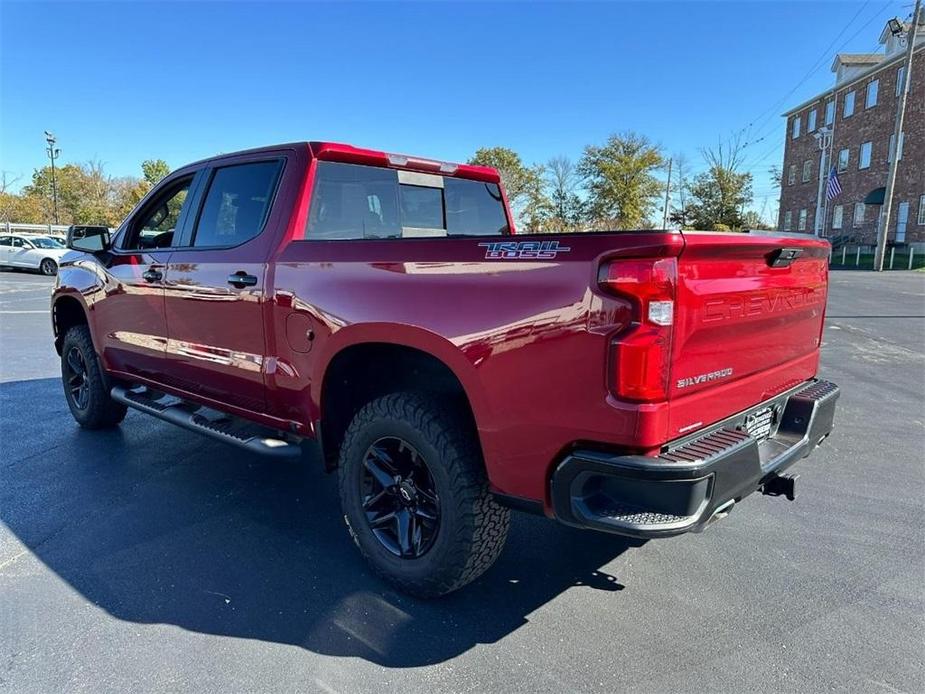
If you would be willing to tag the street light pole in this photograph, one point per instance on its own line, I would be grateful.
(667, 197)
(824, 138)
(883, 228)
(53, 153)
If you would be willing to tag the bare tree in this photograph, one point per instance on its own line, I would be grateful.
(7, 182)
(562, 180)
(721, 193)
(680, 179)
(727, 156)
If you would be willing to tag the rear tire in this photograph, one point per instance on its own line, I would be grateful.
(446, 480)
(48, 267)
(85, 387)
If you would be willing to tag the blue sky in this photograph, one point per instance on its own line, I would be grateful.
(124, 82)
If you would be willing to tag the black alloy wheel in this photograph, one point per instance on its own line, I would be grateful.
(75, 376)
(399, 496)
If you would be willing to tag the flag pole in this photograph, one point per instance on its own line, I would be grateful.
(823, 137)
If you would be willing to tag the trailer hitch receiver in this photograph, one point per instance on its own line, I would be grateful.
(781, 485)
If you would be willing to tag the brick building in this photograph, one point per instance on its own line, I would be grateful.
(860, 110)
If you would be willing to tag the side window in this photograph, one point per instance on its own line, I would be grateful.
(157, 222)
(474, 208)
(353, 202)
(6, 241)
(18, 242)
(236, 205)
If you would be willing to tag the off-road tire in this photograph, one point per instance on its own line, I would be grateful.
(100, 411)
(473, 526)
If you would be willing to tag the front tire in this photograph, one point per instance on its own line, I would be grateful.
(48, 267)
(415, 495)
(85, 386)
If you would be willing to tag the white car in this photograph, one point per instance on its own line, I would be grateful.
(42, 253)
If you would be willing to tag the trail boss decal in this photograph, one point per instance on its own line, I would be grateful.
(516, 250)
(704, 378)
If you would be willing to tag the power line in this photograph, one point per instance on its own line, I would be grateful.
(819, 64)
(816, 65)
(821, 60)
(779, 145)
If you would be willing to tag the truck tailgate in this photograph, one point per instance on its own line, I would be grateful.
(748, 323)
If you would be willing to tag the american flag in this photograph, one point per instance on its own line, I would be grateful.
(832, 187)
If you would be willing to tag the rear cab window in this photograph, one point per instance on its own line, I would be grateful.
(236, 205)
(353, 201)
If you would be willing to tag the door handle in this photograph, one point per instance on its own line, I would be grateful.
(241, 279)
(151, 275)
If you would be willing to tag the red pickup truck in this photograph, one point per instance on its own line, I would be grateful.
(640, 383)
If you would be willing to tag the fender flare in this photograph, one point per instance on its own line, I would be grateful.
(70, 295)
(412, 337)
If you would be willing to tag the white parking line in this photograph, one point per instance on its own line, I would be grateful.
(46, 310)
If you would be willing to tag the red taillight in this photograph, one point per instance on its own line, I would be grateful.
(640, 356)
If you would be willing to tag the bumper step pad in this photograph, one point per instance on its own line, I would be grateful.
(701, 477)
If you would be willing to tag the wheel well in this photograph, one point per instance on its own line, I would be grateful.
(361, 373)
(67, 313)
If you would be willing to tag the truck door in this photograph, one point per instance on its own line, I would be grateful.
(215, 285)
(129, 319)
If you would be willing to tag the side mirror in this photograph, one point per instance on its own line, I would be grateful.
(90, 239)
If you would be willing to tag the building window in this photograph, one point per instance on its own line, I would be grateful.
(902, 221)
(788, 220)
(858, 214)
(807, 170)
(811, 121)
(802, 226)
(848, 108)
(843, 156)
(902, 140)
(873, 88)
(830, 112)
(837, 214)
(864, 155)
(792, 175)
(796, 127)
(921, 219)
(900, 76)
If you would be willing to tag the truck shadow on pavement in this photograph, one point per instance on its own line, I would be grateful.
(156, 525)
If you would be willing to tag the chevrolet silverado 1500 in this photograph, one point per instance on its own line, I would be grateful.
(639, 383)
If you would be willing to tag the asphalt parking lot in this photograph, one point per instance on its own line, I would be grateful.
(149, 558)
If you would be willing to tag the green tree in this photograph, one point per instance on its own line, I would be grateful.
(523, 184)
(154, 170)
(86, 195)
(720, 194)
(620, 178)
(753, 220)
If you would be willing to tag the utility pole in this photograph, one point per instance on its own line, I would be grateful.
(824, 138)
(53, 153)
(883, 227)
(667, 196)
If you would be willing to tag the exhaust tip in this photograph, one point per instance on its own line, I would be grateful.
(721, 512)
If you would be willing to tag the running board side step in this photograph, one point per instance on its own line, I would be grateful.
(191, 416)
